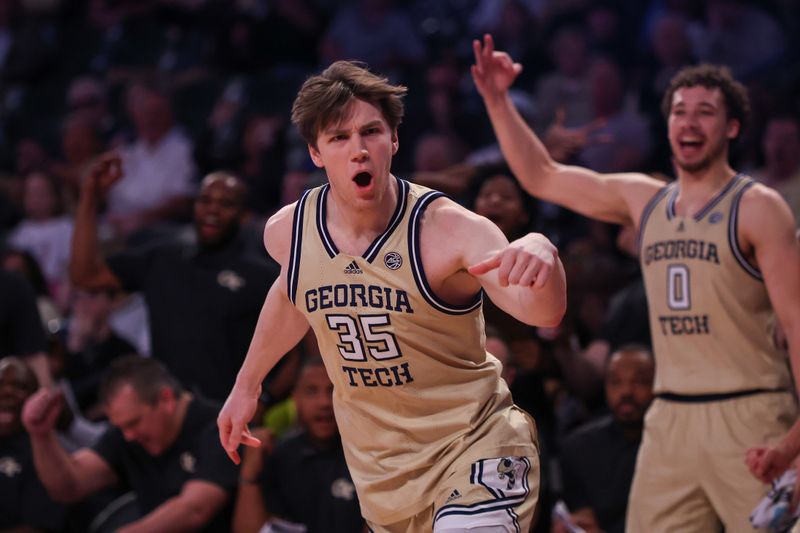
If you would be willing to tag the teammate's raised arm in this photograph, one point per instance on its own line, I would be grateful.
(617, 198)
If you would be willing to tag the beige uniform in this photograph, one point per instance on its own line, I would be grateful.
(721, 384)
(416, 396)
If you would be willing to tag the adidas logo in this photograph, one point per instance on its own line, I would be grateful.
(453, 496)
(680, 226)
(352, 268)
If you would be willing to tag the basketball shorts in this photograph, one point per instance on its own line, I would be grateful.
(498, 495)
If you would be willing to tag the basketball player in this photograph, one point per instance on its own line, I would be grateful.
(718, 254)
(391, 276)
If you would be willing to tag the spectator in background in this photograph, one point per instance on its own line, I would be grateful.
(781, 170)
(158, 168)
(46, 232)
(623, 141)
(91, 346)
(378, 32)
(304, 479)
(21, 331)
(743, 36)
(87, 96)
(25, 505)
(163, 445)
(596, 484)
(263, 164)
(80, 143)
(25, 264)
(567, 88)
(203, 299)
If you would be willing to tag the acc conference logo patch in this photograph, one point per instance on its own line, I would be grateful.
(393, 260)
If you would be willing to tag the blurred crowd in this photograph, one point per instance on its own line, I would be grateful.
(167, 262)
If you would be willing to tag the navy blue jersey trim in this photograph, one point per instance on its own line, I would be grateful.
(322, 209)
(380, 240)
(397, 216)
(718, 197)
(648, 210)
(733, 239)
(709, 206)
(416, 262)
(293, 269)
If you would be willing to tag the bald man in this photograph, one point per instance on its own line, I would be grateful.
(203, 299)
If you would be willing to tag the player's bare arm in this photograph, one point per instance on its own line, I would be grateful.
(279, 328)
(463, 252)
(767, 237)
(618, 198)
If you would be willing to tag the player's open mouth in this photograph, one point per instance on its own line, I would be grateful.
(363, 179)
(690, 144)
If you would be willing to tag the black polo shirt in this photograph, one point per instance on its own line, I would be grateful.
(196, 454)
(21, 331)
(24, 500)
(203, 308)
(311, 486)
(597, 464)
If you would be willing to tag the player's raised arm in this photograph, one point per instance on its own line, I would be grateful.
(617, 198)
(280, 327)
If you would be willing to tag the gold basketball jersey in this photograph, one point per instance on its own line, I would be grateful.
(416, 395)
(710, 315)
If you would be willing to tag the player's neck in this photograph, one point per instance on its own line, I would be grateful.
(354, 227)
(707, 180)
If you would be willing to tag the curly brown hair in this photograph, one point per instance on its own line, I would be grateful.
(734, 94)
(324, 98)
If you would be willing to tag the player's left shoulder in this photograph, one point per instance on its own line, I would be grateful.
(445, 216)
(761, 204)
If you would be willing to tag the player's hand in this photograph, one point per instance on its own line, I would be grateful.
(493, 72)
(528, 262)
(232, 422)
(102, 174)
(767, 464)
(41, 410)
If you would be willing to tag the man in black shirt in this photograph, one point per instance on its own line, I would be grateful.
(598, 460)
(304, 480)
(24, 502)
(163, 445)
(203, 300)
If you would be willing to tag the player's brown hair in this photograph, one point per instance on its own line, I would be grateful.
(324, 98)
(734, 94)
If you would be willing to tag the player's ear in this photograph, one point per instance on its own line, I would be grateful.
(395, 142)
(734, 126)
(316, 157)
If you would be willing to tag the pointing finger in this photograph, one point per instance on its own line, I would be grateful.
(486, 266)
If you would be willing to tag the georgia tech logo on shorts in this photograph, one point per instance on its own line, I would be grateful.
(393, 260)
(509, 468)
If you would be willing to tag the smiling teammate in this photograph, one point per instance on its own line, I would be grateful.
(718, 254)
(390, 276)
